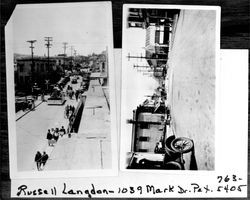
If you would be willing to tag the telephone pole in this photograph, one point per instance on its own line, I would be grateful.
(145, 57)
(32, 60)
(48, 45)
(71, 49)
(74, 54)
(64, 54)
(64, 48)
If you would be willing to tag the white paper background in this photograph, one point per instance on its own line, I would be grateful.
(231, 147)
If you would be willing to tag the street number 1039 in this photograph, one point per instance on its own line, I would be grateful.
(130, 190)
(227, 178)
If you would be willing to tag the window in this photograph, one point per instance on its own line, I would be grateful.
(143, 150)
(42, 67)
(143, 139)
(157, 37)
(21, 79)
(27, 79)
(32, 67)
(144, 125)
(21, 67)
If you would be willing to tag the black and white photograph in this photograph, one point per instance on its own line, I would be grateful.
(124, 99)
(61, 90)
(170, 57)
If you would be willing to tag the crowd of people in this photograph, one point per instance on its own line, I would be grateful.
(54, 134)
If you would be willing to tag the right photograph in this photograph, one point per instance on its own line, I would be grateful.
(168, 100)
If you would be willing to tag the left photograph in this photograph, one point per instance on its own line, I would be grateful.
(61, 92)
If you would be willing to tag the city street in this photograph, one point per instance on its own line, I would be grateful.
(32, 131)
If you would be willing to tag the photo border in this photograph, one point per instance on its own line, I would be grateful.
(217, 9)
(14, 173)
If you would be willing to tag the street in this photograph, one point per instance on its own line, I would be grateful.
(32, 130)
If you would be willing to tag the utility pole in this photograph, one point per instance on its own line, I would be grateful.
(48, 45)
(64, 54)
(32, 61)
(71, 50)
(64, 47)
(75, 55)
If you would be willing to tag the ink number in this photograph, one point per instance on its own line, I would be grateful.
(130, 190)
(227, 178)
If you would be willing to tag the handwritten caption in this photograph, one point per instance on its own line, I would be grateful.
(225, 184)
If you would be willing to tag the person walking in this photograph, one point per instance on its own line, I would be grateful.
(56, 134)
(44, 159)
(76, 95)
(49, 138)
(63, 131)
(73, 109)
(67, 111)
(38, 157)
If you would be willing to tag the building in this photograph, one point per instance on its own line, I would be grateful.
(99, 67)
(158, 24)
(142, 18)
(30, 71)
(136, 18)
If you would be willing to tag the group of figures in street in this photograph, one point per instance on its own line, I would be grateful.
(54, 134)
(41, 160)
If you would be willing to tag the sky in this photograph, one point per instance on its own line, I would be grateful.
(135, 85)
(85, 26)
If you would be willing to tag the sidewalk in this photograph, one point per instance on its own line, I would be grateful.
(90, 148)
(95, 118)
(79, 152)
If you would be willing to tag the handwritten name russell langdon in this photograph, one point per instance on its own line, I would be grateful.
(194, 188)
(23, 190)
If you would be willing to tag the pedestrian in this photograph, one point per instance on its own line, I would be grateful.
(33, 104)
(73, 109)
(80, 96)
(44, 159)
(42, 97)
(67, 111)
(49, 138)
(76, 95)
(56, 135)
(63, 131)
(38, 160)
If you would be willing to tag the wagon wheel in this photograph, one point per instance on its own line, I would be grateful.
(182, 145)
